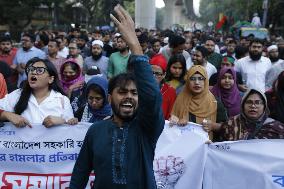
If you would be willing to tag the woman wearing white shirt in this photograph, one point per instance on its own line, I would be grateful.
(41, 99)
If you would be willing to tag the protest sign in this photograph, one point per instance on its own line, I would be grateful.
(39, 157)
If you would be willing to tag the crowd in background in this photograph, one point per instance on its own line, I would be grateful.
(233, 86)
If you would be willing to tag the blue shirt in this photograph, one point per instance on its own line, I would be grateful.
(24, 56)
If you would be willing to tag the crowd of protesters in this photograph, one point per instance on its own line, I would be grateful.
(205, 77)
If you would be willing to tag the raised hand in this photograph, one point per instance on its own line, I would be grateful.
(126, 27)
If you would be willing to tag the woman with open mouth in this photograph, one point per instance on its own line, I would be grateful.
(40, 101)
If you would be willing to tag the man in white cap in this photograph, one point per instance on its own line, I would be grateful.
(273, 54)
(277, 66)
(97, 58)
(256, 20)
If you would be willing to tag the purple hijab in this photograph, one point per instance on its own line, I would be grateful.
(231, 98)
(67, 82)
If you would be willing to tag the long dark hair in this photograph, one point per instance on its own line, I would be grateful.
(22, 103)
(174, 59)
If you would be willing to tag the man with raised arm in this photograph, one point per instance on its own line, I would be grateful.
(120, 150)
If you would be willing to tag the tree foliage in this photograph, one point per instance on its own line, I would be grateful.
(99, 10)
(19, 12)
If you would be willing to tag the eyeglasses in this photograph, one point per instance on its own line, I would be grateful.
(159, 74)
(256, 102)
(38, 70)
(197, 78)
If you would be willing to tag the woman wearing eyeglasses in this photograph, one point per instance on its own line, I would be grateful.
(252, 123)
(196, 103)
(40, 101)
(159, 65)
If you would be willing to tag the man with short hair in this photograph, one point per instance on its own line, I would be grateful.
(7, 51)
(74, 53)
(107, 44)
(226, 42)
(82, 44)
(156, 46)
(213, 57)
(97, 35)
(199, 57)
(24, 54)
(97, 58)
(254, 67)
(118, 60)
(42, 42)
(53, 48)
(176, 46)
(273, 54)
(230, 49)
(120, 150)
(143, 40)
(63, 50)
(7, 55)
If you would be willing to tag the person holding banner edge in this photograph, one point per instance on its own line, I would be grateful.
(252, 123)
(41, 99)
(120, 150)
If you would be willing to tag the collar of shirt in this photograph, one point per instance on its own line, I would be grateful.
(260, 60)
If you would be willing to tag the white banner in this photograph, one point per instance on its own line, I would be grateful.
(180, 157)
(39, 157)
(254, 164)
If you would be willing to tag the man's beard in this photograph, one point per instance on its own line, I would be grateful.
(196, 62)
(121, 50)
(97, 57)
(26, 48)
(255, 56)
(116, 112)
(6, 51)
(274, 59)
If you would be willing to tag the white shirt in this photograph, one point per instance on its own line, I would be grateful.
(210, 68)
(64, 52)
(55, 104)
(277, 62)
(256, 21)
(253, 72)
(272, 74)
